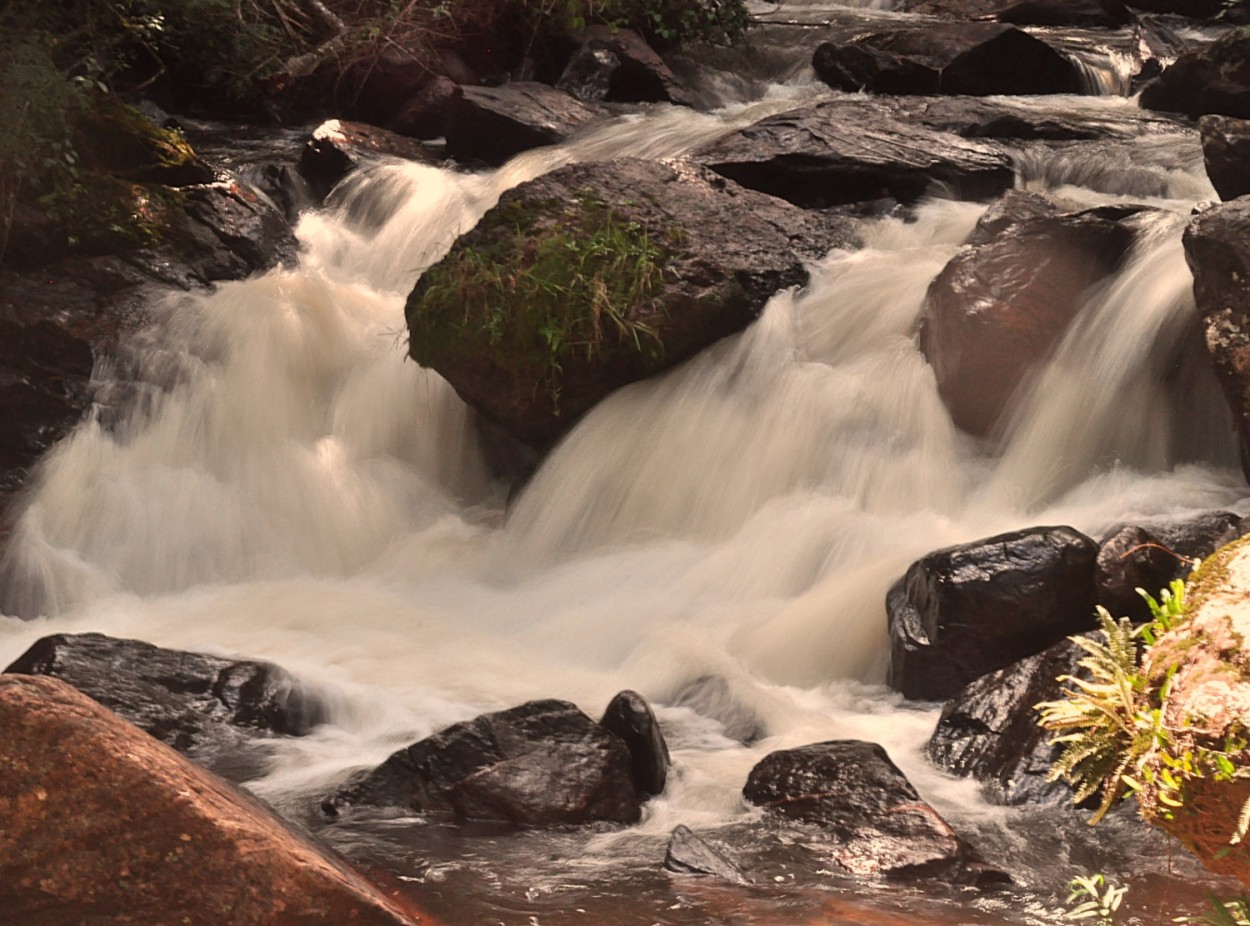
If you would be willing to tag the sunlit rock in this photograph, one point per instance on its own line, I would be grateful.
(600, 274)
(878, 824)
(541, 763)
(968, 610)
(104, 824)
(209, 708)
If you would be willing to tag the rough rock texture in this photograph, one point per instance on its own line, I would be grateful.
(968, 610)
(1212, 79)
(204, 706)
(1151, 556)
(427, 113)
(997, 310)
(491, 124)
(617, 65)
(979, 117)
(541, 763)
(336, 148)
(848, 151)
(1226, 152)
(976, 59)
(878, 823)
(1208, 703)
(989, 730)
(711, 253)
(630, 717)
(1099, 14)
(1217, 248)
(689, 854)
(103, 824)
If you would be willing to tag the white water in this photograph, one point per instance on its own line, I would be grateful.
(298, 490)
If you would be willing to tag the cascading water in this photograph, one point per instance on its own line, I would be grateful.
(293, 488)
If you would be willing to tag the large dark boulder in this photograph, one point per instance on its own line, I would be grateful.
(629, 716)
(989, 730)
(541, 763)
(207, 707)
(1150, 556)
(491, 124)
(1217, 248)
(597, 275)
(1226, 153)
(965, 611)
(103, 824)
(1098, 14)
(976, 59)
(998, 309)
(847, 151)
(878, 824)
(1212, 79)
(618, 66)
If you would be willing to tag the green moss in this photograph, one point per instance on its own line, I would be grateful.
(536, 296)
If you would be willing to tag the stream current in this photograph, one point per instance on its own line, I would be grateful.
(288, 485)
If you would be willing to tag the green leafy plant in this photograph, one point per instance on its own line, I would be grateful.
(1235, 912)
(1098, 900)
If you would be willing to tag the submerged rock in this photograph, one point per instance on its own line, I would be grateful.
(998, 309)
(336, 148)
(847, 151)
(1226, 153)
(972, 59)
(688, 854)
(104, 824)
(204, 706)
(491, 124)
(989, 731)
(600, 274)
(1217, 248)
(878, 824)
(541, 763)
(630, 717)
(965, 611)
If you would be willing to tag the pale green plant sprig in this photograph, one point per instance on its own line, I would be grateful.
(1235, 912)
(1099, 900)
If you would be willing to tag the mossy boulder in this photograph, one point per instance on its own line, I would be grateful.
(598, 275)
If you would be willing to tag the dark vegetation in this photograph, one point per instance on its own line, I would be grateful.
(63, 64)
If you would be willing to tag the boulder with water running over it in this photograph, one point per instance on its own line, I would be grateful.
(970, 59)
(597, 275)
(103, 824)
(999, 308)
(968, 610)
(542, 763)
(1217, 248)
(216, 711)
(855, 150)
(877, 823)
(492, 124)
(336, 148)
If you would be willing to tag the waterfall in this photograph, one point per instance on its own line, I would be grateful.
(293, 488)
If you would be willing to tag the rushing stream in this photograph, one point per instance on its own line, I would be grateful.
(289, 486)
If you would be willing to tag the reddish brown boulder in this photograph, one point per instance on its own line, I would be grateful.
(104, 824)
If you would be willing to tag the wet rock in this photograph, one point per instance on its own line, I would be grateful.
(878, 824)
(209, 708)
(542, 763)
(491, 124)
(965, 611)
(1098, 14)
(689, 854)
(989, 730)
(104, 824)
(975, 58)
(978, 117)
(232, 233)
(1013, 208)
(630, 717)
(114, 137)
(998, 309)
(1149, 557)
(1212, 79)
(1226, 152)
(427, 113)
(1217, 248)
(706, 256)
(617, 65)
(336, 148)
(847, 151)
